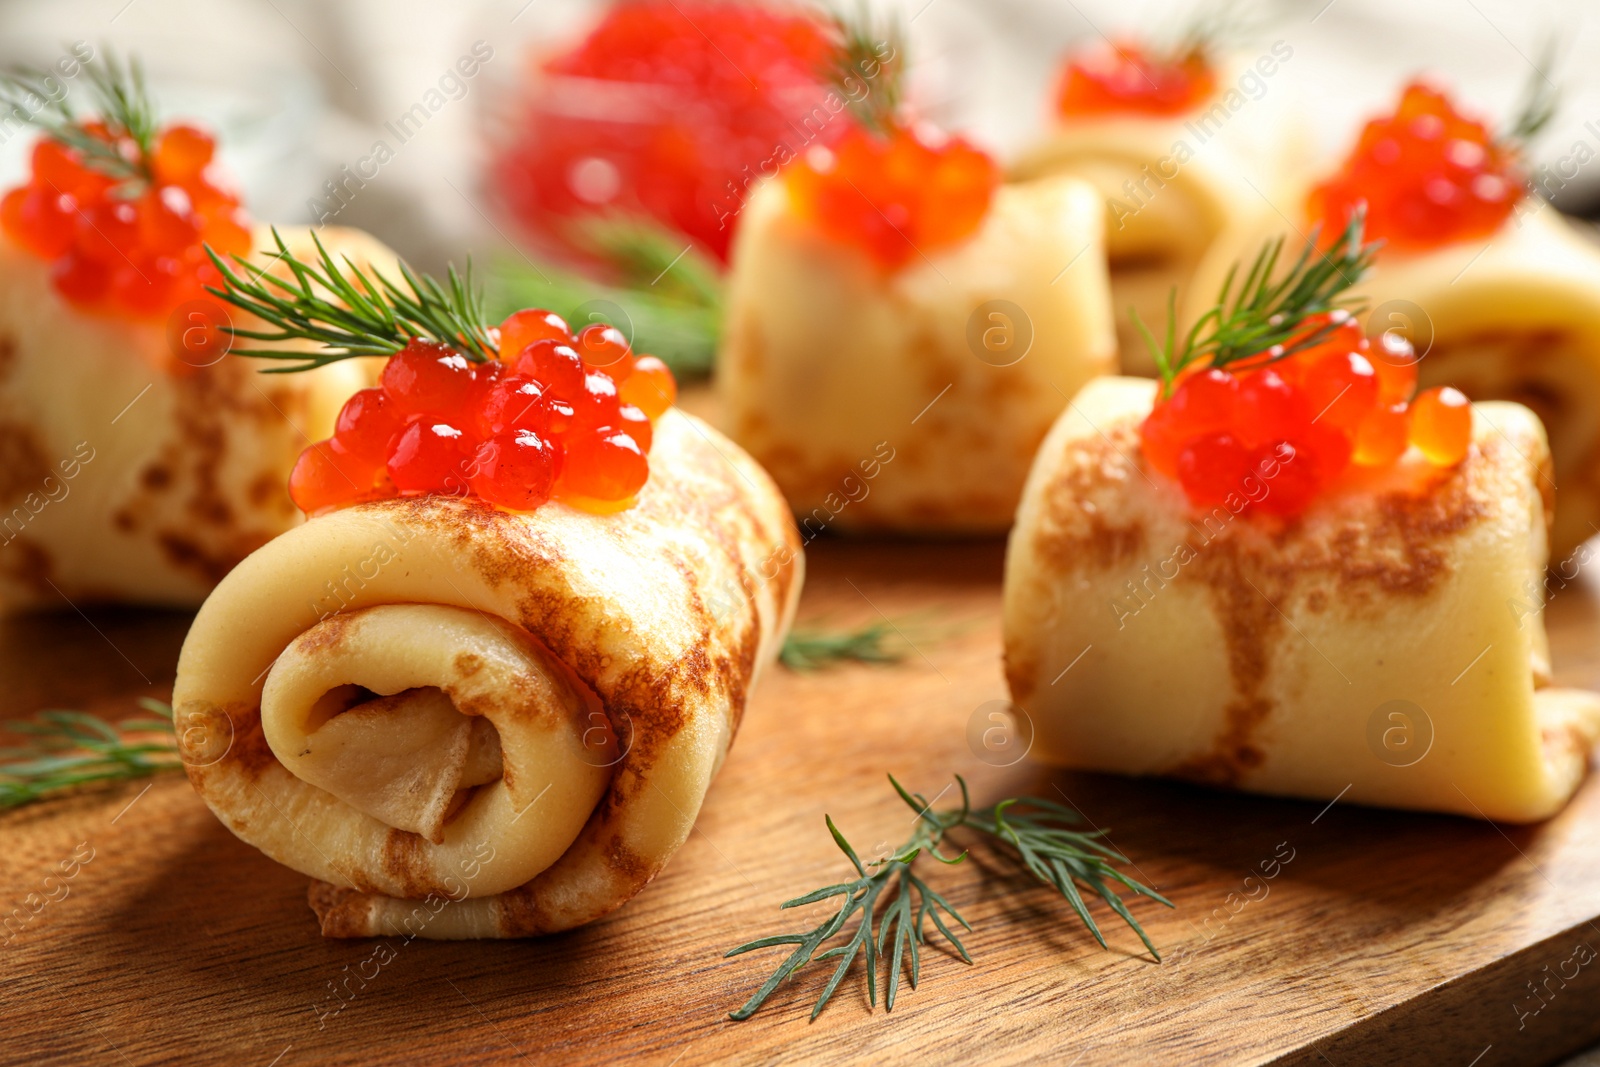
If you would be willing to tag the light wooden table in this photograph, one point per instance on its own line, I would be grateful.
(1389, 938)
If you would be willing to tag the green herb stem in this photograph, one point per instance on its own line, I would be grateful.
(350, 311)
(1035, 833)
(121, 102)
(1267, 317)
(68, 749)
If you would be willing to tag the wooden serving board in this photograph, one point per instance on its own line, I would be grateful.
(1386, 938)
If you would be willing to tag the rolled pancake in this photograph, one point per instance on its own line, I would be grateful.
(1390, 642)
(948, 371)
(332, 693)
(1170, 187)
(1512, 317)
(128, 475)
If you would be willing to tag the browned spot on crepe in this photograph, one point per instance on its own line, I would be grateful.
(8, 355)
(328, 634)
(249, 749)
(737, 669)
(341, 912)
(1143, 260)
(467, 664)
(28, 564)
(23, 466)
(405, 860)
(265, 488)
(207, 536)
(222, 741)
(156, 477)
(517, 912)
(629, 863)
(1073, 531)
(187, 553)
(1251, 625)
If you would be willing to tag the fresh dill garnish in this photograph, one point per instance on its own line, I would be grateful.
(1034, 833)
(1541, 99)
(866, 67)
(121, 102)
(1267, 317)
(350, 311)
(813, 649)
(67, 749)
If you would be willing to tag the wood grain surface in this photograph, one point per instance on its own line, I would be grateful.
(1385, 938)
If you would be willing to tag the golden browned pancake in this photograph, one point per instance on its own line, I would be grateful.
(130, 475)
(914, 400)
(466, 722)
(1390, 641)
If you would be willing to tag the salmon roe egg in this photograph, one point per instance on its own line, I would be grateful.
(326, 476)
(523, 328)
(606, 348)
(605, 464)
(1382, 437)
(516, 469)
(651, 387)
(514, 432)
(1441, 425)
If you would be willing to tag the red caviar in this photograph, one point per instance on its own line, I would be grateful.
(669, 109)
(897, 195)
(132, 247)
(1126, 77)
(554, 418)
(1428, 174)
(1276, 432)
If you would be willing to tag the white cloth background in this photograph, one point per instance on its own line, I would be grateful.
(301, 87)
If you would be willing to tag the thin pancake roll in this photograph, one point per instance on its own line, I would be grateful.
(137, 464)
(465, 722)
(1386, 646)
(1172, 184)
(941, 376)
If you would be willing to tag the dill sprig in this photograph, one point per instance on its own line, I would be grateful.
(1033, 832)
(350, 311)
(641, 253)
(1267, 317)
(121, 101)
(1212, 27)
(863, 46)
(73, 748)
(1541, 99)
(810, 650)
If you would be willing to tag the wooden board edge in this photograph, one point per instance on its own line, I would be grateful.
(1520, 1009)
